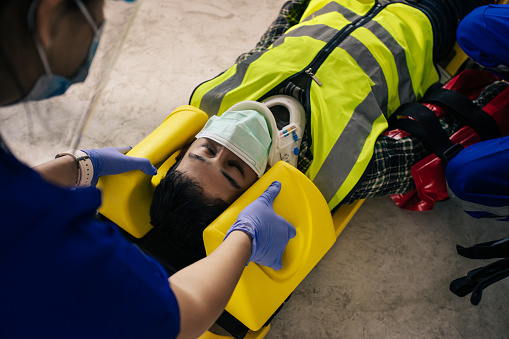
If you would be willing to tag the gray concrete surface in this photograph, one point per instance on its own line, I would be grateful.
(388, 274)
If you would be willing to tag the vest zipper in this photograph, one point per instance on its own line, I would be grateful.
(325, 51)
(337, 39)
(309, 72)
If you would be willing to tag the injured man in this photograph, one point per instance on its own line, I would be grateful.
(316, 92)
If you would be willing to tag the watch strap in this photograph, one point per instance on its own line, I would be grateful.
(85, 167)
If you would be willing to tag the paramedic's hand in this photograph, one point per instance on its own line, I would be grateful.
(112, 160)
(269, 231)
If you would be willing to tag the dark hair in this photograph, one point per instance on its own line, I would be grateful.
(180, 212)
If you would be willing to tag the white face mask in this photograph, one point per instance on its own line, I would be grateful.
(245, 133)
(285, 142)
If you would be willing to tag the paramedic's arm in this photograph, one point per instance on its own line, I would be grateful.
(61, 172)
(204, 288)
(64, 171)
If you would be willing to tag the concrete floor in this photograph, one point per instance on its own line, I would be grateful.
(388, 274)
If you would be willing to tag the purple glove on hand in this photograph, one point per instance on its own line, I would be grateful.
(269, 231)
(112, 160)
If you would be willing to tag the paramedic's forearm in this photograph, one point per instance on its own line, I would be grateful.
(61, 171)
(204, 288)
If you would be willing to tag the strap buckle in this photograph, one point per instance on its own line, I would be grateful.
(452, 151)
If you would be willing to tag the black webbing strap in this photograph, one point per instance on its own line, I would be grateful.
(236, 328)
(486, 250)
(477, 280)
(423, 124)
(232, 325)
(480, 278)
(465, 111)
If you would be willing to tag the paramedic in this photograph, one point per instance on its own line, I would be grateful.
(385, 56)
(477, 177)
(64, 273)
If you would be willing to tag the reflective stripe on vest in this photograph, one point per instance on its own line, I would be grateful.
(350, 52)
(211, 102)
(344, 155)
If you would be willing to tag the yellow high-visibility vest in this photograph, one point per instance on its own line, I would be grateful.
(357, 60)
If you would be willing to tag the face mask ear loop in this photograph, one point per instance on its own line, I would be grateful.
(31, 25)
(87, 15)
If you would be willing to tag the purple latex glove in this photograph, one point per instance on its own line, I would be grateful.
(112, 160)
(269, 231)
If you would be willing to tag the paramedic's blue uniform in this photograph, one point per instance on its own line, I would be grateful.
(66, 275)
(478, 179)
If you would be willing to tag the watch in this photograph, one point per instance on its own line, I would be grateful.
(85, 167)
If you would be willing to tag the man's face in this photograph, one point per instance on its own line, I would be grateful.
(217, 170)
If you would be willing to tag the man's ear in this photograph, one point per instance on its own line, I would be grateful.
(46, 17)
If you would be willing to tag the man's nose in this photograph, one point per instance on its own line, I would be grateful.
(224, 155)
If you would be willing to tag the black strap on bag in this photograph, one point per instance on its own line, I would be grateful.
(423, 124)
(480, 278)
(465, 111)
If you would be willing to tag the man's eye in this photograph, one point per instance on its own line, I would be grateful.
(210, 149)
(238, 167)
